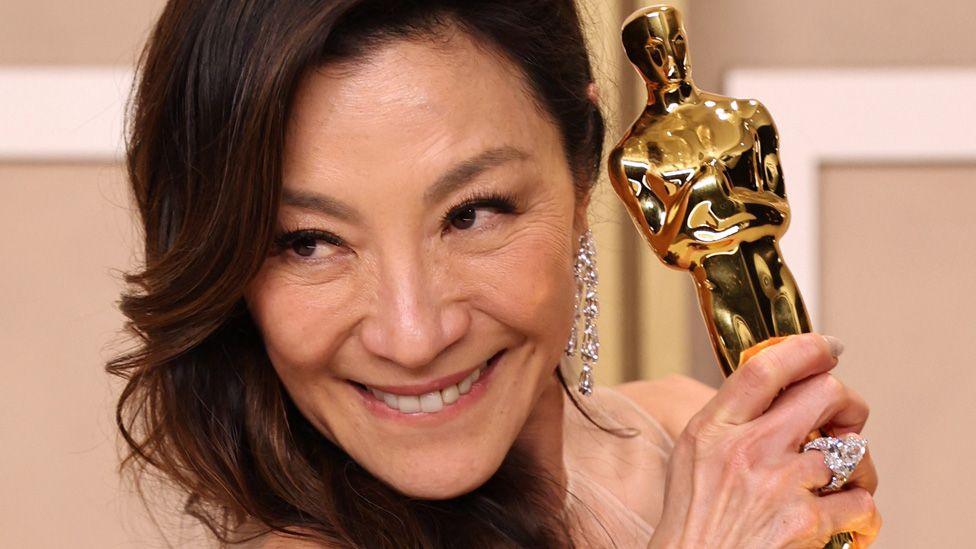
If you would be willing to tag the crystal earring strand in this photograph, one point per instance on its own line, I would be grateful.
(573, 332)
(585, 274)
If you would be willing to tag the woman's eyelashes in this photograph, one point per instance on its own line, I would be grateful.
(476, 213)
(308, 244)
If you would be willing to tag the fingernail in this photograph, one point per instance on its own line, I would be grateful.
(836, 345)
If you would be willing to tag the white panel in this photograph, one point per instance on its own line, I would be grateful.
(62, 113)
(855, 115)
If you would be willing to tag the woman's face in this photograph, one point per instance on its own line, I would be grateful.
(428, 229)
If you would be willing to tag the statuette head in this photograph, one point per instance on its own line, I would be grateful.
(656, 44)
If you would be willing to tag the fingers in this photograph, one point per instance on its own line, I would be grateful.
(813, 473)
(748, 392)
(816, 402)
(850, 510)
(865, 475)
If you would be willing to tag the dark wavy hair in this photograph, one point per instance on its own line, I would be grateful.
(201, 403)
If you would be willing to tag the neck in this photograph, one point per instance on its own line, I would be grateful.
(665, 97)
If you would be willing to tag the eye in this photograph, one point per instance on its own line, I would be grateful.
(465, 218)
(480, 209)
(308, 244)
(305, 246)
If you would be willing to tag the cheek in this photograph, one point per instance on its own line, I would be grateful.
(300, 323)
(528, 284)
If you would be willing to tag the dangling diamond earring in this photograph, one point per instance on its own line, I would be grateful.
(589, 344)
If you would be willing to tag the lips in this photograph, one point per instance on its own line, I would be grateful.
(430, 396)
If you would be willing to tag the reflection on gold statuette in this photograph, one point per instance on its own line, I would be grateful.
(701, 178)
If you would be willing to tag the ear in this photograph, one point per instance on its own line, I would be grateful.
(580, 220)
(593, 93)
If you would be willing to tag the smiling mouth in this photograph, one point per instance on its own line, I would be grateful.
(411, 401)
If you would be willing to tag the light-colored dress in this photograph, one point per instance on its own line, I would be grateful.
(616, 484)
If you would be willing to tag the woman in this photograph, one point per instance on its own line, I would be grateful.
(361, 221)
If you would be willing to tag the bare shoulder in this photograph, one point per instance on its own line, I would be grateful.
(672, 400)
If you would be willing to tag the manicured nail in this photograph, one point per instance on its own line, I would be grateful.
(836, 345)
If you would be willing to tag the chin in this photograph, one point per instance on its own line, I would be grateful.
(440, 476)
(438, 455)
(431, 469)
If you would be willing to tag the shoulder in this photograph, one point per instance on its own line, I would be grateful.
(672, 400)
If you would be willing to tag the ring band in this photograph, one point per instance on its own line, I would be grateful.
(840, 455)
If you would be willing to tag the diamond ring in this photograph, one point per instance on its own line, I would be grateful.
(840, 455)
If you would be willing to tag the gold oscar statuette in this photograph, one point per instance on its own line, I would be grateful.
(701, 178)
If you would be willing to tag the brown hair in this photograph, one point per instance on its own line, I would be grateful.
(202, 403)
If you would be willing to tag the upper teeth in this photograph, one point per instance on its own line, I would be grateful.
(428, 402)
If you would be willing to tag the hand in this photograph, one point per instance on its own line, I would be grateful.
(737, 477)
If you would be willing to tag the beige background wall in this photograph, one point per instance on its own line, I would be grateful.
(828, 33)
(65, 233)
(59, 32)
(63, 228)
(898, 266)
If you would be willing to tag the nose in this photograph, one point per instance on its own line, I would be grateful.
(415, 314)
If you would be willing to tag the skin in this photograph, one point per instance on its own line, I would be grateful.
(405, 297)
(408, 298)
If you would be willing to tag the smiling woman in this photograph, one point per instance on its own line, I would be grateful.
(364, 222)
(359, 248)
(414, 265)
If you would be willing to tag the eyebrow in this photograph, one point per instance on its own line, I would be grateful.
(320, 203)
(467, 170)
(455, 178)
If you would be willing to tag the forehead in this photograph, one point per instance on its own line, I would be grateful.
(411, 105)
